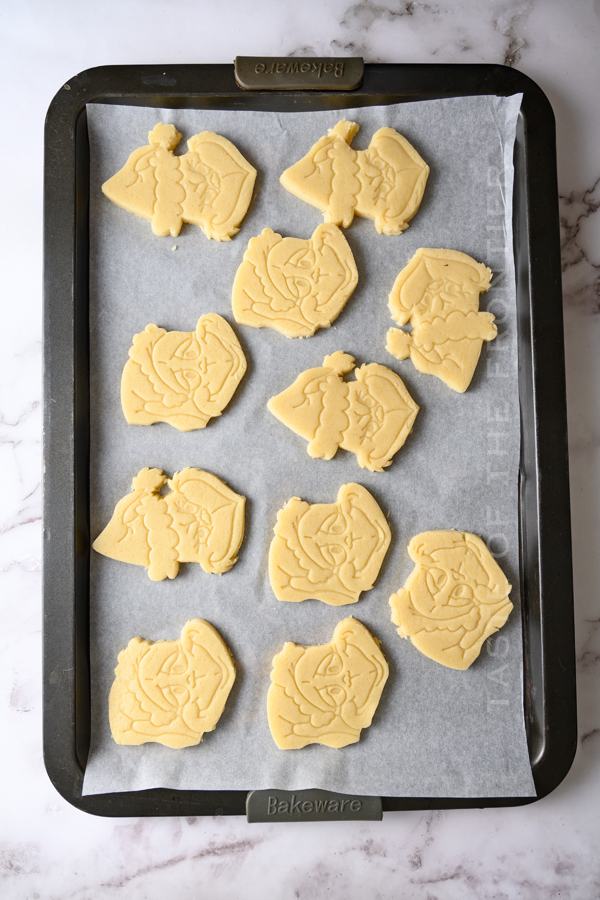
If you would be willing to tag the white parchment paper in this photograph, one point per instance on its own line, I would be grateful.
(437, 732)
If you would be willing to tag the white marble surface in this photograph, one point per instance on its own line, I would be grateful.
(49, 849)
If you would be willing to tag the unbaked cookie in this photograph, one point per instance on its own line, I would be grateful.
(371, 417)
(171, 692)
(328, 551)
(385, 182)
(438, 293)
(210, 185)
(453, 600)
(184, 378)
(292, 285)
(201, 520)
(328, 693)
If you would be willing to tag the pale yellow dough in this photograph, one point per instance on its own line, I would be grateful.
(371, 417)
(184, 378)
(328, 551)
(328, 693)
(438, 293)
(171, 692)
(453, 600)
(201, 520)
(385, 182)
(292, 285)
(210, 185)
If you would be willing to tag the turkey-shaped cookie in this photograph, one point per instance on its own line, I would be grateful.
(328, 551)
(384, 183)
(326, 694)
(201, 520)
(371, 416)
(438, 293)
(182, 377)
(210, 185)
(171, 692)
(453, 600)
(292, 285)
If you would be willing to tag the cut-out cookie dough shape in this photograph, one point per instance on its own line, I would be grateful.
(184, 378)
(171, 692)
(292, 285)
(328, 551)
(438, 293)
(385, 182)
(328, 693)
(371, 417)
(201, 521)
(453, 600)
(209, 186)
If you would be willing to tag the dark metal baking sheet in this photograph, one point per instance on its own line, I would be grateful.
(546, 577)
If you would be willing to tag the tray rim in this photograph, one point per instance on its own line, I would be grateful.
(65, 397)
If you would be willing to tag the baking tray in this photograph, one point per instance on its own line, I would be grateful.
(546, 567)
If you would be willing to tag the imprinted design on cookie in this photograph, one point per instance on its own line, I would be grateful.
(371, 417)
(292, 285)
(385, 182)
(454, 599)
(201, 520)
(326, 694)
(438, 293)
(210, 186)
(184, 378)
(171, 692)
(328, 551)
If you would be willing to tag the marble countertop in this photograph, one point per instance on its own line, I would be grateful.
(48, 849)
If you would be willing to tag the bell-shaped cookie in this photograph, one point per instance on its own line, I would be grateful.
(210, 186)
(328, 551)
(326, 694)
(454, 599)
(371, 416)
(171, 692)
(384, 183)
(292, 285)
(184, 378)
(438, 293)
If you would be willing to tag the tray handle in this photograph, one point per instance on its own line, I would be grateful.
(310, 806)
(299, 73)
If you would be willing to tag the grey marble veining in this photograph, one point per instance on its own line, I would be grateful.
(580, 247)
(452, 32)
(47, 848)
